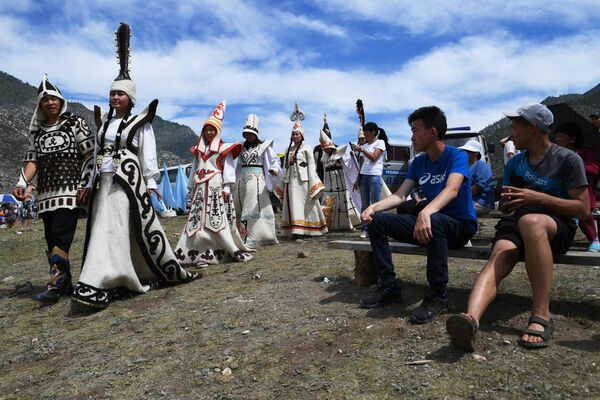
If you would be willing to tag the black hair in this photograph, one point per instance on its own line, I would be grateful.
(432, 117)
(379, 133)
(247, 144)
(287, 152)
(573, 131)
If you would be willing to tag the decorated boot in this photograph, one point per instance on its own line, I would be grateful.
(60, 278)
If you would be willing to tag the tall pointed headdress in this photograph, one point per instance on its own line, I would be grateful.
(123, 81)
(296, 116)
(46, 88)
(326, 126)
(216, 120)
(325, 141)
(251, 125)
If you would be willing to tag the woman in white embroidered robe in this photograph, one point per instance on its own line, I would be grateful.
(126, 249)
(210, 235)
(258, 172)
(300, 191)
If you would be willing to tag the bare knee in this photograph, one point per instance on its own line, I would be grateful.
(536, 227)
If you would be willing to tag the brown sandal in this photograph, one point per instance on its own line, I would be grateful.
(546, 334)
(462, 329)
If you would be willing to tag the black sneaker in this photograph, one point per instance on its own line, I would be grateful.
(382, 296)
(429, 309)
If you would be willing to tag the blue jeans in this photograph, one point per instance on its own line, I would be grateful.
(370, 192)
(447, 233)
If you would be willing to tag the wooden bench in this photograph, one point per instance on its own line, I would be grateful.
(364, 273)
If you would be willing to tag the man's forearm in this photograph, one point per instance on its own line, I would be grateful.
(389, 202)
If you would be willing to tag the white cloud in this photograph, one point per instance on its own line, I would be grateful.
(473, 78)
(294, 21)
(464, 16)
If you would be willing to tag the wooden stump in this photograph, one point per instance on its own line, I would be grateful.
(364, 272)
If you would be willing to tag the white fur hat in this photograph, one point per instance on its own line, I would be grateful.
(127, 86)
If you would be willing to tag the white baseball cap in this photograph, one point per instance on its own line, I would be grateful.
(536, 113)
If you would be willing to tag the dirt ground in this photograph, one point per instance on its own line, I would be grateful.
(274, 328)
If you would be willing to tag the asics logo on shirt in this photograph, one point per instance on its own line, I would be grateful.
(432, 179)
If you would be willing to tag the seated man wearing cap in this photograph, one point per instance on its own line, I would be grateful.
(482, 180)
(444, 219)
(545, 190)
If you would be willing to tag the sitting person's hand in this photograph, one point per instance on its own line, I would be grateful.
(367, 215)
(422, 232)
(512, 198)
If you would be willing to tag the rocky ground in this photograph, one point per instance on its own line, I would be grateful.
(282, 326)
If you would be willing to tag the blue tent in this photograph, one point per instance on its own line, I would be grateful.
(165, 189)
(158, 205)
(181, 190)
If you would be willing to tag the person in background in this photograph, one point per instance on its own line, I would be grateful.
(480, 175)
(27, 210)
(509, 148)
(258, 171)
(595, 119)
(301, 189)
(570, 136)
(372, 156)
(211, 235)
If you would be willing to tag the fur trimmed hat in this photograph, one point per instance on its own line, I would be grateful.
(46, 88)
(127, 86)
(251, 125)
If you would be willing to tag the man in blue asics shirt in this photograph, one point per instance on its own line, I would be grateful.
(545, 190)
(444, 218)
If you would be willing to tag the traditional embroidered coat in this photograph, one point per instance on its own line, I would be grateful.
(255, 217)
(299, 194)
(339, 175)
(58, 151)
(211, 232)
(125, 245)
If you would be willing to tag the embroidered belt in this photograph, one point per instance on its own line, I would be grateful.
(203, 172)
(335, 168)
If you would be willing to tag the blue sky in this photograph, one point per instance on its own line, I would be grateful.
(473, 59)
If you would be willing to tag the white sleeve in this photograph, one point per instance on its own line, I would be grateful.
(271, 163)
(228, 172)
(147, 155)
(380, 144)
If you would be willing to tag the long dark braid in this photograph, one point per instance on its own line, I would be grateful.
(383, 136)
(111, 112)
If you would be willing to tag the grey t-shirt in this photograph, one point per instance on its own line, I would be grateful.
(558, 172)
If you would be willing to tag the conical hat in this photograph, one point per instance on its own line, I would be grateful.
(326, 142)
(251, 125)
(216, 120)
(46, 88)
